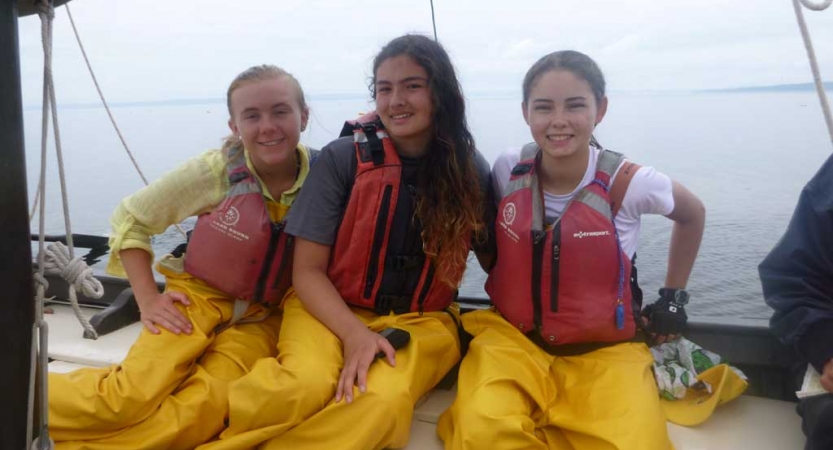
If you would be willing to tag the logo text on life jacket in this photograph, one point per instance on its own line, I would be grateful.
(508, 217)
(584, 234)
(230, 216)
(509, 213)
(228, 219)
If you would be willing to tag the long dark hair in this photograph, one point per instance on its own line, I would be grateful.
(450, 204)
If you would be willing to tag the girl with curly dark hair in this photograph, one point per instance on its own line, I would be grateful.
(381, 241)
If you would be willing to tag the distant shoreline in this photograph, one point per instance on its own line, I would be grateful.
(185, 102)
(800, 87)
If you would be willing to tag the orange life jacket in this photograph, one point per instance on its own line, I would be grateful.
(361, 259)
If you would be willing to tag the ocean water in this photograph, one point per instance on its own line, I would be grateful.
(746, 155)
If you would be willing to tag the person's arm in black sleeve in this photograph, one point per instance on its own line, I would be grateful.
(797, 275)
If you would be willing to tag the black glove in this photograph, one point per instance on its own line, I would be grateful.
(667, 315)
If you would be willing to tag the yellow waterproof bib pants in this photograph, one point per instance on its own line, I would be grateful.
(513, 395)
(171, 391)
(287, 403)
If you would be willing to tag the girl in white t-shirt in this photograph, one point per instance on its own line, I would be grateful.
(534, 383)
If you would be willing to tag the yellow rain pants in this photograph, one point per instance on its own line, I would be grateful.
(513, 395)
(171, 391)
(287, 402)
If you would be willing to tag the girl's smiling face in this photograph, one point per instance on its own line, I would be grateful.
(562, 112)
(269, 118)
(403, 102)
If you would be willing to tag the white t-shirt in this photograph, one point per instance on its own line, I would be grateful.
(649, 192)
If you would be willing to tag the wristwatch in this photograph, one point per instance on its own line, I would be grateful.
(678, 296)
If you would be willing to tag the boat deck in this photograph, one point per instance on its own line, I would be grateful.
(748, 422)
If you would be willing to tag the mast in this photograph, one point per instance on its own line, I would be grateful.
(17, 312)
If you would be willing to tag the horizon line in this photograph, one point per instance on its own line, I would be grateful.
(787, 87)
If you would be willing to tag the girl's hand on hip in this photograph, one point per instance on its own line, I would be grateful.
(159, 310)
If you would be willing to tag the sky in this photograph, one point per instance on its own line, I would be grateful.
(159, 50)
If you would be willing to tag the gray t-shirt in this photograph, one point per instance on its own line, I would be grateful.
(317, 212)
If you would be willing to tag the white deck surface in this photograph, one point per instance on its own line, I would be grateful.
(746, 423)
(66, 342)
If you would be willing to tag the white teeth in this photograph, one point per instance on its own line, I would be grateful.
(400, 116)
(558, 137)
(269, 144)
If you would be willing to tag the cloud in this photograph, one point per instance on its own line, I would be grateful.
(157, 50)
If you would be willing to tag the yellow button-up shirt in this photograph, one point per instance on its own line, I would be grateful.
(194, 188)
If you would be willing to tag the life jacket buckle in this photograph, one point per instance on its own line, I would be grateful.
(236, 177)
(402, 263)
(398, 304)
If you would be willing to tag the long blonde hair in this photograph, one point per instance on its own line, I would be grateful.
(257, 73)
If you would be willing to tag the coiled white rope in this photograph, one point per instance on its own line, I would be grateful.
(811, 55)
(58, 261)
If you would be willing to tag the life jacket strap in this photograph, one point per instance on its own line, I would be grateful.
(401, 263)
(398, 304)
(374, 144)
(620, 185)
(239, 309)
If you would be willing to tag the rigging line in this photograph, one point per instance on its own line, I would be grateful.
(811, 55)
(821, 6)
(73, 270)
(45, 13)
(107, 107)
(40, 329)
(433, 21)
(48, 79)
(46, 260)
(34, 379)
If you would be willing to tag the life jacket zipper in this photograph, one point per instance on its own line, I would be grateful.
(537, 259)
(260, 287)
(378, 238)
(556, 263)
(429, 280)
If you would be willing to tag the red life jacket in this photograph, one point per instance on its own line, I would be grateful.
(237, 248)
(571, 283)
(361, 258)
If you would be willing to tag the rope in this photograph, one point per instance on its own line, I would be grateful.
(107, 108)
(433, 22)
(811, 55)
(46, 13)
(103, 101)
(59, 261)
(35, 202)
(824, 4)
(50, 101)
